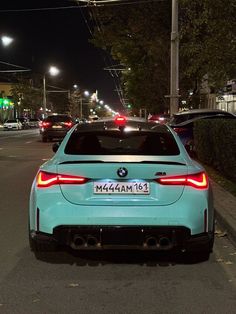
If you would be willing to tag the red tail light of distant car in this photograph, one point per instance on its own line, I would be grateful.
(46, 124)
(68, 124)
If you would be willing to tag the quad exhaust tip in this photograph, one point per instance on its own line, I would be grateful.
(79, 242)
(89, 241)
(163, 243)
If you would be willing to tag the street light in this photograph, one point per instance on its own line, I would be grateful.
(6, 40)
(52, 71)
(86, 93)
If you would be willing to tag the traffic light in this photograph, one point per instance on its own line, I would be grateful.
(5, 103)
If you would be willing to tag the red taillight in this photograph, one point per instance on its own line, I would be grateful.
(68, 124)
(196, 180)
(180, 130)
(120, 120)
(46, 179)
(46, 124)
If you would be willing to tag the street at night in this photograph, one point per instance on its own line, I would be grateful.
(96, 282)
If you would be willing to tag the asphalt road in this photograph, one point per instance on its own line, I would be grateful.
(102, 282)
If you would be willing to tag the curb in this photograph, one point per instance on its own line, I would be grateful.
(225, 210)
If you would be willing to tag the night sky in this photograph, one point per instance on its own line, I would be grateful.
(60, 38)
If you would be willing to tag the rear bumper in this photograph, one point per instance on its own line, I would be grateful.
(10, 128)
(122, 237)
(54, 133)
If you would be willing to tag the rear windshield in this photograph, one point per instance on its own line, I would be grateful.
(11, 121)
(121, 143)
(58, 118)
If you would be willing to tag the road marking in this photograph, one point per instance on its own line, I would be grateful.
(28, 142)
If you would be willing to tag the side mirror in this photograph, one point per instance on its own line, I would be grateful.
(55, 147)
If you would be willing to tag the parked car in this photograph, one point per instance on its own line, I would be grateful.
(12, 124)
(121, 183)
(25, 122)
(183, 123)
(33, 123)
(160, 118)
(55, 126)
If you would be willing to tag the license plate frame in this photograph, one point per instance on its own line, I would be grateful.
(119, 188)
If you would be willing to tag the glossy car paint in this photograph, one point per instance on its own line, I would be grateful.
(61, 205)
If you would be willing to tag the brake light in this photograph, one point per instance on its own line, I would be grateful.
(46, 124)
(196, 180)
(46, 179)
(120, 120)
(68, 124)
(180, 130)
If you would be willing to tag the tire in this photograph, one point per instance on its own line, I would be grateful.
(44, 139)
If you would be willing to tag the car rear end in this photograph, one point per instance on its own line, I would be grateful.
(133, 188)
(55, 126)
(12, 125)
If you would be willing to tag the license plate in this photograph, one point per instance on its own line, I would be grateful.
(57, 127)
(121, 188)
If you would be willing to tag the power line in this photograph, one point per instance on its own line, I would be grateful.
(44, 9)
(88, 3)
(116, 2)
(13, 71)
(13, 65)
(95, 18)
(116, 78)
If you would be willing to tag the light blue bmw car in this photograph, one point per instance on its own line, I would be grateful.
(121, 183)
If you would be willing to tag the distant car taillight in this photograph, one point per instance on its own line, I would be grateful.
(180, 130)
(120, 120)
(68, 124)
(46, 179)
(46, 124)
(196, 180)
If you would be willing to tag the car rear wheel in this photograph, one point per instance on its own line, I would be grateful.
(44, 139)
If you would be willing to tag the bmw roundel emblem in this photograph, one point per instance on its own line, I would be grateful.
(122, 172)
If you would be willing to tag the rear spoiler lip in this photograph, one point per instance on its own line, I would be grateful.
(119, 162)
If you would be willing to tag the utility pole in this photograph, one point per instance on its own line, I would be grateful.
(44, 97)
(174, 63)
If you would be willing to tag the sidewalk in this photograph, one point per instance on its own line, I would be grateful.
(225, 210)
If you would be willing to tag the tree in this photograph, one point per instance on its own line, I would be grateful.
(138, 39)
(208, 41)
(25, 96)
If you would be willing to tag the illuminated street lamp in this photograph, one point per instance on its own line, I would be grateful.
(6, 40)
(86, 94)
(52, 71)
